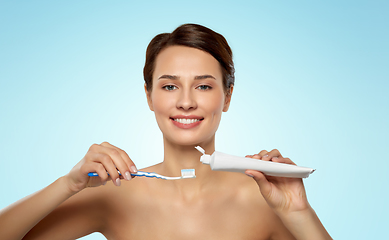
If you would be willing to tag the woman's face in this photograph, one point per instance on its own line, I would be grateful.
(187, 96)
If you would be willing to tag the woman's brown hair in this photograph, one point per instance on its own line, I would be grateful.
(195, 36)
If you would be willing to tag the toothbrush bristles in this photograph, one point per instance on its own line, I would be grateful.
(188, 173)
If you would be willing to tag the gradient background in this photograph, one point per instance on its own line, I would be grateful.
(311, 81)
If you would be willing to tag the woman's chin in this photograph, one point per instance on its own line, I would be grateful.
(190, 141)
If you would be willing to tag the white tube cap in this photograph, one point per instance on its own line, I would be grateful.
(205, 159)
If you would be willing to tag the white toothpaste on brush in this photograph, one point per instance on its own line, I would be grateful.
(225, 162)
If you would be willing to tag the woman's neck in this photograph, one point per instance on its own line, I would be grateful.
(177, 157)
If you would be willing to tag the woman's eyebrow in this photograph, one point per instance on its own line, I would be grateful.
(204, 77)
(174, 77)
(171, 77)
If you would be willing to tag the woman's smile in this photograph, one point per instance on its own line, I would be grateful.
(186, 122)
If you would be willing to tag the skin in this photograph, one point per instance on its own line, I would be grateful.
(214, 205)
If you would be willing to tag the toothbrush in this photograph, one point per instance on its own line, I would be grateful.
(185, 173)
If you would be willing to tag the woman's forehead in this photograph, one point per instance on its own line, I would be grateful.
(184, 61)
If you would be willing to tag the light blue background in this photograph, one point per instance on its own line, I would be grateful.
(311, 81)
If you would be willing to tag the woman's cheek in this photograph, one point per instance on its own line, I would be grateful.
(161, 101)
(216, 104)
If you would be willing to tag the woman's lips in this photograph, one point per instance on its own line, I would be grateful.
(186, 122)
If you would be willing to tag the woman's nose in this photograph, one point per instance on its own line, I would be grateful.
(186, 101)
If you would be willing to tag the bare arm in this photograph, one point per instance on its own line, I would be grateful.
(65, 208)
(287, 198)
(81, 214)
(18, 218)
(305, 225)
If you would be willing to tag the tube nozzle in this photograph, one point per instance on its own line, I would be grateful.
(205, 159)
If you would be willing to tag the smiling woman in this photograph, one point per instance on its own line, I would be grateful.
(189, 78)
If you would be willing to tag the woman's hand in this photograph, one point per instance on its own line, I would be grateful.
(284, 195)
(103, 159)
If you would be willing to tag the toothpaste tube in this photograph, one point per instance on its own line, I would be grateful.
(224, 162)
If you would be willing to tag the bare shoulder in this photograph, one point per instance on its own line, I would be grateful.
(246, 194)
(130, 194)
(83, 213)
(257, 212)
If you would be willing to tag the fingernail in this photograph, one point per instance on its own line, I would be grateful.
(265, 156)
(133, 169)
(117, 182)
(127, 175)
(105, 182)
(249, 175)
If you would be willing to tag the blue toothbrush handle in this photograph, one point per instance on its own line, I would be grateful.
(139, 173)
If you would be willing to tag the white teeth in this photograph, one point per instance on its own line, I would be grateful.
(186, 121)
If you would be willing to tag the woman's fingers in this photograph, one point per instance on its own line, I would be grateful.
(124, 155)
(118, 161)
(104, 159)
(112, 160)
(263, 184)
(100, 170)
(262, 153)
(121, 160)
(274, 155)
(109, 166)
(286, 160)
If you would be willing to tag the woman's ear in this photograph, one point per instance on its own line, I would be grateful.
(148, 96)
(228, 98)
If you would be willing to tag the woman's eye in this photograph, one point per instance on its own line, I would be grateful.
(169, 87)
(204, 87)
